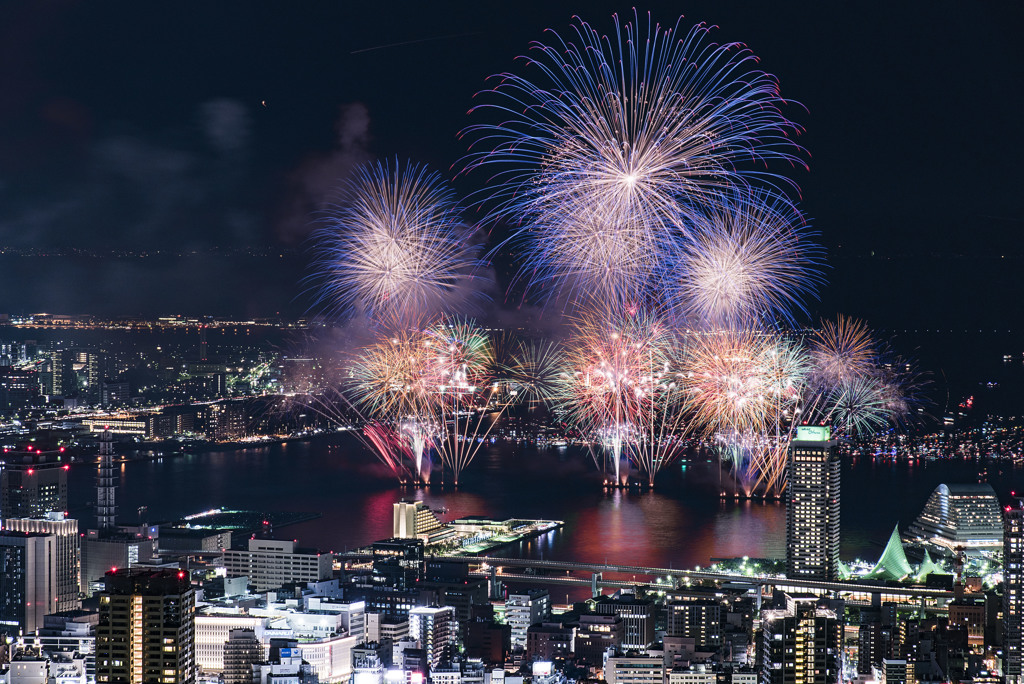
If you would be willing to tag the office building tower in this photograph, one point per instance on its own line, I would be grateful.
(28, 580)
(146, 631)
(242, 650)
(66, 558)
(812, 506)
(637, 618)
(525, 609)
(1013, 592)
(801, 643)
(273, 563)
(33, 483)
(106, 507)
(435, 629)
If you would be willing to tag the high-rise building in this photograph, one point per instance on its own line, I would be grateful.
(1013, 592)
(28, 580)
(33, 482)
(637, 618)
(106, 507)
(242, 650)
(812, 506)
(525, 609)
(435, 629)
(146, 630)
(800, 643)
(66, 553)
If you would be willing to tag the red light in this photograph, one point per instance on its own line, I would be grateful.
(113, 568)
(31, 471)
(181, 574)
(67, 467)
(62, 450)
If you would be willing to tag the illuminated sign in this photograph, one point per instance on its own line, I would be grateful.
(813, 433)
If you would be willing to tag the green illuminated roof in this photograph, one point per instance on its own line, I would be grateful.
(893, 564)
(928, 567)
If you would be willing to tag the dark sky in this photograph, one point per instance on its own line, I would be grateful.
(142, 126)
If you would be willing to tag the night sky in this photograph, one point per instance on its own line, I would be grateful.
(215, 132)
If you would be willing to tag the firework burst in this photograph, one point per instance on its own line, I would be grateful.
(619, 388)
(746, 260)
(601, 155)
(395, 249)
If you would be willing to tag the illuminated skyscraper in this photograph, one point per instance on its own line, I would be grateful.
(812, 506)
(436, 631)
(801, 643)
(146, 631)
(1013, 592)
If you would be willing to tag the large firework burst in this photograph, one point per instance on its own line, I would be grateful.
(746, 260)
(620, 389)
(395, 249)
(604, 151)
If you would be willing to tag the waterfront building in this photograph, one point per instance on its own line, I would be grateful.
(273, 563)
(33, 483)
(28, 580)
(525, 609)
(435, 629)
(956, 515)
(67, 554)
(18, 388)
(414, 520)
(812, 506)
(1013, 592)
(146, 630)
(801, 642)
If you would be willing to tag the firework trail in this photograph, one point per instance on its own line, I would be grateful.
(746, 261)
(603, 154)
(619, 387)
(395, 249)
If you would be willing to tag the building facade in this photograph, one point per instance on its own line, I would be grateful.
(67, 555)
(28, 580)
(812, 506)
(1013, 592)
(146, 630)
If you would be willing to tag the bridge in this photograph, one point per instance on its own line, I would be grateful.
(856, 593)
